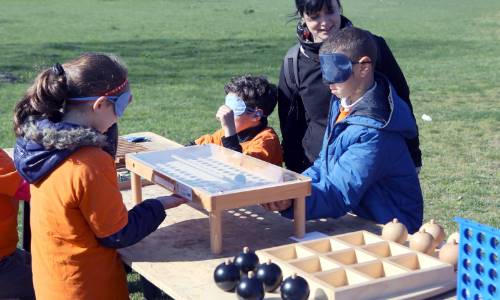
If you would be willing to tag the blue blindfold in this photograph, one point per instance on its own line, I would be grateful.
(120, 101)
(335, 67)
(237, 105)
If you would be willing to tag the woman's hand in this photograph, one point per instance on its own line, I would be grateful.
(278, 205)
(171, 201)
(226, 117)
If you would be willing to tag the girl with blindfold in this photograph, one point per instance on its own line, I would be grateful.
(303, 98)
(78, 218)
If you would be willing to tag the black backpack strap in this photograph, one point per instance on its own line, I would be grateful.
(290, 64)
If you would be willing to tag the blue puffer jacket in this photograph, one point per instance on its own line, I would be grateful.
(364, 166)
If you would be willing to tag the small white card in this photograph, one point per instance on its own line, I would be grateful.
(314, 235)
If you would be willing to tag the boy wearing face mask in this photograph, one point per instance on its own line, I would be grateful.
(243, 118)
(364, 165)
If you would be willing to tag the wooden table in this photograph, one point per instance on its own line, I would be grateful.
(207, 174)
(177, 257)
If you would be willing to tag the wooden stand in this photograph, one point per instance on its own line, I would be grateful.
(151, 142)
(206, 174)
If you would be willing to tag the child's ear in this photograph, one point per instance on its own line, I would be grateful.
(366, 65)
(100, 103)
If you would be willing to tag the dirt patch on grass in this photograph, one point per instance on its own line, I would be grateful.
(6, 77)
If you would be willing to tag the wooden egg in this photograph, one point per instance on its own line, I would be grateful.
(422, 241)
(454, 236)
(395, 231)
(435, 230)
(449, 253)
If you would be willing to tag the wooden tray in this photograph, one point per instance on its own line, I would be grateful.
(361, 265)
(220, 179)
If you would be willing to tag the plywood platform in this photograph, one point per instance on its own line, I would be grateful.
(361, 265)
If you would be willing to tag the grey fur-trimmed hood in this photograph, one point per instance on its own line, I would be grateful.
(61, 135)
(43, 145)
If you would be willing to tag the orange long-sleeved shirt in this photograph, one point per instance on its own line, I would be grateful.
(9, 182)
(265, 145)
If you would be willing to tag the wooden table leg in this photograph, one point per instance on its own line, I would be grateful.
(299, 216)
(135, 182)
(216, 231)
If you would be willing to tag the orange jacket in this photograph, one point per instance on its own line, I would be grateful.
(9, 182)
(265, 145)
(77, 202)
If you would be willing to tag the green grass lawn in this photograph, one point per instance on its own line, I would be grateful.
(180, 54)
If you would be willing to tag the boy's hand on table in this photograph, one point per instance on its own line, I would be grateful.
(171, 201)
(278, 205)
(226, 117)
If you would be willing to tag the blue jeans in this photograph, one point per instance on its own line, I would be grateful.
(16, 280)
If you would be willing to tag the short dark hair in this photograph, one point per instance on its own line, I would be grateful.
(313, 6)
(354, 41)
(256, 92)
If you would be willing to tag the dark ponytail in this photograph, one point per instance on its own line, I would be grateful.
(44, 99)
(91, 74)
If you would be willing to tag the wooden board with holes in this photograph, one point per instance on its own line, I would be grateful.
(152, 141)
(361, 265)
(125, 147)
(220, 179)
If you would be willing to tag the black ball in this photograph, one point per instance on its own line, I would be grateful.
(250, 288)
(295, 288)
(246, 261)
(270, 274)
(226, 276)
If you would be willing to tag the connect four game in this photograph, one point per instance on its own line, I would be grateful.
(478, 262)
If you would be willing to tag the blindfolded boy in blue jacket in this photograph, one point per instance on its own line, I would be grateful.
(364, 166)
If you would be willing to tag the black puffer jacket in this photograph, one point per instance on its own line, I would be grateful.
(303, 113)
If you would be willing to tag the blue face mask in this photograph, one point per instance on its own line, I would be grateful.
(120, 101)
(335, 67)
(237, 105)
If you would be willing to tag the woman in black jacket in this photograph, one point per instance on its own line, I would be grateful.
(303, 98)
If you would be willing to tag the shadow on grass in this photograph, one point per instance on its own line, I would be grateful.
(155, 60)
(160, 60)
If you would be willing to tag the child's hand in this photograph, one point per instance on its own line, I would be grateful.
(226, 117)
(171, 201)
(278, 205)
